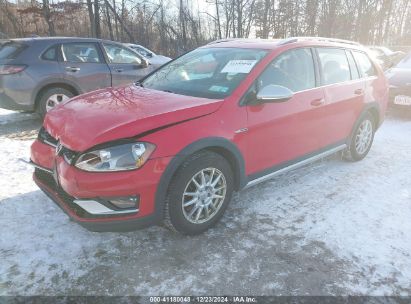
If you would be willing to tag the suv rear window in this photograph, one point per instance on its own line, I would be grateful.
(10, 49)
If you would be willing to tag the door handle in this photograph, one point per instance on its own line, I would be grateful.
(358, 91)
(119, 70)
(72, 69)
(317, 102)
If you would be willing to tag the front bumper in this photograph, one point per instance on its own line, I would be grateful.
(64, 184)
(46, 183)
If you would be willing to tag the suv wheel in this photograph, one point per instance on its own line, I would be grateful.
(51, 98)
(361, 140)
(199, 193)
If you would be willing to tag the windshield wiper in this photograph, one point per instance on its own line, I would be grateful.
(140, 84)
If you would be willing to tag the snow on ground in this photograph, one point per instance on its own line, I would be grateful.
(330, 228)
(7, 116)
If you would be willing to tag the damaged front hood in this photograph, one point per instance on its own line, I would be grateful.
(116, 113)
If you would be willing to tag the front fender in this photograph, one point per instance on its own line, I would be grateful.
(218, 144)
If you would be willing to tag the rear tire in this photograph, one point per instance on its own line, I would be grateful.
(199, 193)
(361, 139)
(50, 98)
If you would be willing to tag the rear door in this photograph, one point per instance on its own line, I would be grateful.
(125, 65)
(344, 93)
(83, 64)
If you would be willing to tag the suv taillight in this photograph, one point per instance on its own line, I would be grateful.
(6, 69)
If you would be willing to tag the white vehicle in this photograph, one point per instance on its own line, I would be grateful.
(152, 57)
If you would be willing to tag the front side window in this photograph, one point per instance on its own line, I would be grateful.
(80, 53)
(334, 65)
(364, 64)
(293, 69)
(206, 72)
(120, 55)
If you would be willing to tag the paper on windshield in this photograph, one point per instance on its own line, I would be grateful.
(239, 66)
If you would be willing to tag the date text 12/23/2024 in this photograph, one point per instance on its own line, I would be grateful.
(203, 299)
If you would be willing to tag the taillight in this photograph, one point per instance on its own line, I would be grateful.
(6, 69)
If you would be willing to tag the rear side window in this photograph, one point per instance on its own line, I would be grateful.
(334, 65)
(292, 69)
(10, 49)
(50, 54)
(365, 65)
(353, 67)
(80, 52)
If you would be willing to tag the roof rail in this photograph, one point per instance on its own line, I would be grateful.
(222, 40)
(242, 40)
(336, 40)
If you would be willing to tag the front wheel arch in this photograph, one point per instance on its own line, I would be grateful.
(219, 145)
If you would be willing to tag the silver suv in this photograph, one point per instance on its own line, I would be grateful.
(38, 73)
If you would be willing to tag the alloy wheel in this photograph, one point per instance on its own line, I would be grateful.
(204, 195)
(363, 137)
(54, 100)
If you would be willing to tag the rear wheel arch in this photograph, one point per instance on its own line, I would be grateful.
(49, 86)
(372, 108)
(375, 113)
(218, 145)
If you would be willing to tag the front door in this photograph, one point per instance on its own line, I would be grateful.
(82, 63)
(284, 132)
(125, 65)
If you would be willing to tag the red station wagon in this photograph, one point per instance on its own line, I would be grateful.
(173, 147)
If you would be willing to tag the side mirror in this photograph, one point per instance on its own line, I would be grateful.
(144, 63)
(274, 93)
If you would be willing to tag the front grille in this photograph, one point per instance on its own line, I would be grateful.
(46, 138)
(69, 155)
(48, 180)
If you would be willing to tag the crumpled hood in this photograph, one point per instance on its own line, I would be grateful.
(115, 113)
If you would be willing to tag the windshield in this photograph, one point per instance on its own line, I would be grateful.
(206, 72)
(10, 49)
(405, 63)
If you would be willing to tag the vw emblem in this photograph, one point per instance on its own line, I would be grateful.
(59, 147)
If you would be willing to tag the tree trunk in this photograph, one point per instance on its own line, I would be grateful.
(115, 20)
(123, 26)
(91, 18)
(97, 18)
(183, 26)
(47, 17)
(110, 27)
(218, 19)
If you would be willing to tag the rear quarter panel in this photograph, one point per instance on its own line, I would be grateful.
(377, 91)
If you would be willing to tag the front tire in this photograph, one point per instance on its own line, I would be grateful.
(361, 139)
(199, 193)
